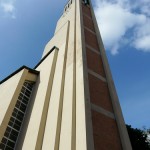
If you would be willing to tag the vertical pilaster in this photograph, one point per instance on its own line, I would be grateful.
(67, 132)
(34, 134)
(81, 134)
(54, 116)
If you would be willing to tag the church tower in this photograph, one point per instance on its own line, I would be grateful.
(68, 100)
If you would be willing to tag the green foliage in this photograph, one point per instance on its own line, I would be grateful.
(139, 138)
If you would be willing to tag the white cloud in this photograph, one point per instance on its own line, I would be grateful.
(142, 37)
(117, 19)
(144, 6)
(143, 43)
(8, 7)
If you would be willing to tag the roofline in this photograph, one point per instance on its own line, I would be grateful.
(18, 70)
(30, 70)
(46, 56)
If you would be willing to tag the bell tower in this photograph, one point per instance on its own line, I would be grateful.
(72, 101)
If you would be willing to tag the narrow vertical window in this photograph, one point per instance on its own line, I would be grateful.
(14, 125)
(68, 5)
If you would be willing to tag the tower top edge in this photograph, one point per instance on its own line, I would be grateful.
(86, 2)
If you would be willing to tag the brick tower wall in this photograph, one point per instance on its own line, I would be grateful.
(105, 130)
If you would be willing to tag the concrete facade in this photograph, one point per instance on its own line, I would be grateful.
(73, 104)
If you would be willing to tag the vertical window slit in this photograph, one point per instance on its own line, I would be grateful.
(11, 134)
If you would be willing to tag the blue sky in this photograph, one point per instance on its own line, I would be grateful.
(26, 26)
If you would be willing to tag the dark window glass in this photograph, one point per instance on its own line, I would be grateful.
(22, 108)
(28, 91)
(86, 2)
(20, 118)
(4, 140)
(18, 122)
(13, 137)
(18, 104)
(6, 134)
(11, 144)
(23, 105)
(10, 123)
(27, 94)
(8, 129)
(8, 148)
(25, 102)
(15, 133)
(10, 136)
(21, 95)
(23, 89)
(12, 119)
(20, 113)
(16, 127)
(26, 98)
(15, 110)
(14, 114)
(29, 86)
(2, 146)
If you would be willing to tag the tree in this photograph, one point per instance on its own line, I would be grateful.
(139, 138)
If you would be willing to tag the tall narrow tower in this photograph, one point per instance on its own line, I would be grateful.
(68, 101)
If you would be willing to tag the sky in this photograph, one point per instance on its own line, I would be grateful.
(27, 26)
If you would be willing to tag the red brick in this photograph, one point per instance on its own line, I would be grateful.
(99, 93)
(91, 39)
(86, 10)
(105, 132)
(88, 23)
(94, 62)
